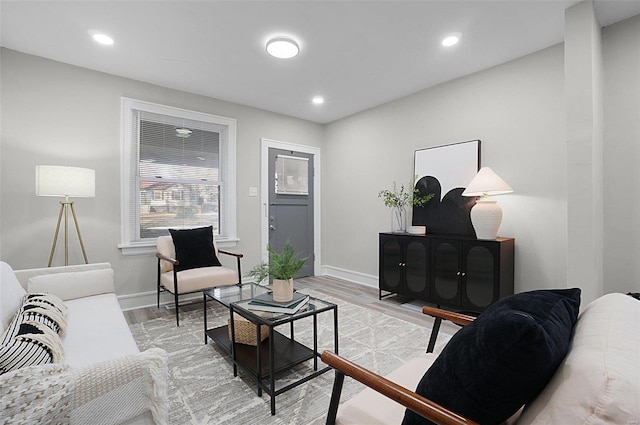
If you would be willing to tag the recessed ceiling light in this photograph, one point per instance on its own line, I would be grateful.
(282, 47)
(318, 100)
(451, 39)
(102, 39)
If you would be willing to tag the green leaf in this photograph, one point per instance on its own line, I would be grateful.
(284, 265)
(402, 198)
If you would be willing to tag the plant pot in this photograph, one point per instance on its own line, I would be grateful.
(282, 290)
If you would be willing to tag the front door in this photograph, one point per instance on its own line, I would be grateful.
(290, 212)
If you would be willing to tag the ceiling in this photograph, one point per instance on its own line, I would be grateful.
(356, 54)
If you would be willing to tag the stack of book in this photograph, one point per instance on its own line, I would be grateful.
(266, 303)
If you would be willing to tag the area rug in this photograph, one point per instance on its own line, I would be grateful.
(203, 390)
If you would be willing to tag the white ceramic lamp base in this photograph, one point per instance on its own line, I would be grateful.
(486, 216)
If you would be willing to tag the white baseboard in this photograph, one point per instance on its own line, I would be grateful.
(148, 299)
(351, 276)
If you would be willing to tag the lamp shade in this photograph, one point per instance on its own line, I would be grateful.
(55, 180)
(486, 183)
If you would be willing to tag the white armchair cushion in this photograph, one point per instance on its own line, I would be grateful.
(72, 285)
(371, 407)
(198, 279)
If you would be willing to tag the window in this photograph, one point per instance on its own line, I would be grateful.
(178, 172)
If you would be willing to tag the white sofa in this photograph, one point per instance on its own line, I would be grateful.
(103, 375)
(597, 383)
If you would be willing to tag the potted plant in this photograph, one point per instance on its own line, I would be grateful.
(399, 199)
(281, 268)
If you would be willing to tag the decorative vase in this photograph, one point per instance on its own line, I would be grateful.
(282, 290)
(486, 216)
(398, 220)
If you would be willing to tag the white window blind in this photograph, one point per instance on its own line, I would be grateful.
(177, 172)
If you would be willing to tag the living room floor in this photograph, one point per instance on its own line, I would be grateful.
(354, 293)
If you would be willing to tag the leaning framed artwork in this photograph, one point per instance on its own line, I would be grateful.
(445, 171)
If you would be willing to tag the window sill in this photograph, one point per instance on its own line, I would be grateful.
(149, 247)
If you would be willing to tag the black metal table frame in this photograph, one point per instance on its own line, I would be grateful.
(269, 386)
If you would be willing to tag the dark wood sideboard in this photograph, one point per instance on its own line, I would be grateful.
(458, 272)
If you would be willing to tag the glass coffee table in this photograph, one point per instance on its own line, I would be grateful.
(279, 352)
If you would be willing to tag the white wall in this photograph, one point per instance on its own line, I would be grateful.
(621, 44)
(59, 114)
(516, 110)
(584, 117)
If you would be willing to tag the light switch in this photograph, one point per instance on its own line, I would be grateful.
(253, 191)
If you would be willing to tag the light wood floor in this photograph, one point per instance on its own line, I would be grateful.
(354, 293)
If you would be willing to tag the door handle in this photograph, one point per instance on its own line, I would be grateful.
(272, 227)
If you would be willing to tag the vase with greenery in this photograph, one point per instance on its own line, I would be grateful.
(281, 269)
(398, 199)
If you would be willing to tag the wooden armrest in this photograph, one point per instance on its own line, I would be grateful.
(169, 259)
(415, 402)
(237, 255)
(457, 318)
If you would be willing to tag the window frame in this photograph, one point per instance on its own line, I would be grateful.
(129, 156)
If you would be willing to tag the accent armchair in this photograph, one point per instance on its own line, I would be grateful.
(177, 281)
(360, 409)
(529, 359)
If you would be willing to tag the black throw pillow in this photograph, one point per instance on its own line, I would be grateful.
(194, 248)
(502, 360)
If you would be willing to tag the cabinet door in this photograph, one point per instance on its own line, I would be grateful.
(390, 263)
(481, 277)
(416, 267)
(446, 272)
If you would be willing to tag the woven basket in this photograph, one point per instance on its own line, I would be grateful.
(246, 331)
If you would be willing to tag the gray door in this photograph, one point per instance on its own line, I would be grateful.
(291, 203)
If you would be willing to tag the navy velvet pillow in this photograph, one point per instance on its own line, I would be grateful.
(502, 360)
(194, 248)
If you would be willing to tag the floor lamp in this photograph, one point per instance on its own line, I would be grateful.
(53, 180)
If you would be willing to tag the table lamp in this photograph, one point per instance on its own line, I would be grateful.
(486, 214)
(53, 180)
